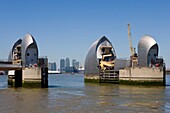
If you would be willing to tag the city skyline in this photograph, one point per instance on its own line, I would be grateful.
(52, 66)
(68, 28)
(66, 63)
(65, 66)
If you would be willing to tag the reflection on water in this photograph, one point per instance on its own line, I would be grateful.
(69, 93)
(3, 81)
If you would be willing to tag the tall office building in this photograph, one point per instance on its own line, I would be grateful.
(67, 62)
(74, 62)
(49, 66)
(77, 65)
(62, 65)
(52, 66)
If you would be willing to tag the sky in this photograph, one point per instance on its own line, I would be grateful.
(67, 28)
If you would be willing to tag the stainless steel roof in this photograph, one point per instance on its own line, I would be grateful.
(146, 42)
(27, 40)
(144, 46)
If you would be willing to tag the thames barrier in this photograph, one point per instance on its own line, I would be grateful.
(144, 67)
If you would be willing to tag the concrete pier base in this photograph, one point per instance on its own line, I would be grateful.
(142, 83)
(91, 78)
(29, 77)
(16, 79)
(134, 76)
(142, 76)
(11, 80)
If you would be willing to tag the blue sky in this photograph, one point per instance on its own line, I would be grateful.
(67, 28)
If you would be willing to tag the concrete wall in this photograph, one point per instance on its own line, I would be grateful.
(92, 76)
(31, 74)
(141, 74)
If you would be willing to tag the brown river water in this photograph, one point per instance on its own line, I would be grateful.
(69, 94)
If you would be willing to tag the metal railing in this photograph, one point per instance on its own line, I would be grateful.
(109, 75)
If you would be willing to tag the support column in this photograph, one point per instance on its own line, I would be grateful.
(164, 75)
(18, 78)
(44, 77)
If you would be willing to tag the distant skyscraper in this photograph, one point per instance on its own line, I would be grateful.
(67, 62)
(74, 62)
(52, 66)
(62, 65)
(77, 65)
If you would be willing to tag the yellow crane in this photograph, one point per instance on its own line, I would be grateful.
(133, 53)
(130, 41)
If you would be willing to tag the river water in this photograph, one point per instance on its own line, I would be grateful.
(69, 94)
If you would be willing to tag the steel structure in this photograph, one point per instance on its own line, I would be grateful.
(147, 51)
(24, 51)
(29, 50)
(93, 56)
